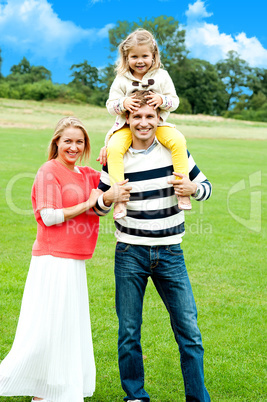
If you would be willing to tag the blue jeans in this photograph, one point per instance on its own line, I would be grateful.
(166, 267)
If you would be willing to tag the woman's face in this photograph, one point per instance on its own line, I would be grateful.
(71, 146)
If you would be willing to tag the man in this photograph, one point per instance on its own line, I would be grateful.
(148, 245)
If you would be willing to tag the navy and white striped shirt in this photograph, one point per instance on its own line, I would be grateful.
(153, 216)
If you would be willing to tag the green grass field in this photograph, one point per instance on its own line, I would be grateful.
(225, 251)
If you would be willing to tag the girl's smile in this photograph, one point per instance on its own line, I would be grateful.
(140, 60)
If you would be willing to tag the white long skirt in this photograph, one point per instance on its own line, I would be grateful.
(52, 354)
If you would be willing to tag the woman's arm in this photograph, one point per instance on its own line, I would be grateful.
(51, 216)
(99, 201)
(79, 209)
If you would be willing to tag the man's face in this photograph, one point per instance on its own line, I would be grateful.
(143, 124)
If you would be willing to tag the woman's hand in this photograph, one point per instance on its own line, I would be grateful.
(78, 209)
(102, 158)
(131, 104)
(91, 202)
(154, 99)
(119, 192)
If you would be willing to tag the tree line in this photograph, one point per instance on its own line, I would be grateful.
(229, 88)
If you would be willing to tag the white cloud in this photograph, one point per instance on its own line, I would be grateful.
(103, 32)
(32, 26)
(197, 11)
(251, 49)
(206, 42)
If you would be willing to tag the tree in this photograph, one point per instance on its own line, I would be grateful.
(23, 67)
(170, 38)
(40, 90)
(257, 101)
(106, 77)
(198, 81)
(24, 73)
(1, 60)
(235, 74)
(257, 81)
(85, 75)
(40, 73)
(264, 82)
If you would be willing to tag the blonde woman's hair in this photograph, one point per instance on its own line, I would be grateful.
(139, 37)
(66, 122)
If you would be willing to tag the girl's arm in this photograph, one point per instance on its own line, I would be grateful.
(170, 100)
(117, 96)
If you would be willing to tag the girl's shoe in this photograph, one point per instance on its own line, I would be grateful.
(119, 210)
(184, 203)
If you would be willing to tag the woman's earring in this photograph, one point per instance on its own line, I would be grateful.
(153, 61)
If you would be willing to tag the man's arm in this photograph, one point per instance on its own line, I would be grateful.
(104, 183)
(101, 208)
(119, 192)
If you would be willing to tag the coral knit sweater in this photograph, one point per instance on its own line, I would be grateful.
(57, 187)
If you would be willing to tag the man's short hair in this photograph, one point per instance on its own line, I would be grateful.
(141, 96)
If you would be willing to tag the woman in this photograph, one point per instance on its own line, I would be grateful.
(52, 354)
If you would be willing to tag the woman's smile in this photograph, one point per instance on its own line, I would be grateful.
(70, 146)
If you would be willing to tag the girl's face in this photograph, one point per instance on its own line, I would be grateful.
(71, 146)
(140, 60)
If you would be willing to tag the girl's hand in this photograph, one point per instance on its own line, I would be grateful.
(117, 193)
(131, 104)
(154, 100)
(102, 158)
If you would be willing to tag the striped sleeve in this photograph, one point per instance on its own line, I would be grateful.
(100, 208)
(104, 183)
(196, 176)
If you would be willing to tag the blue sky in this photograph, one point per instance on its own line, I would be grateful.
(57, 34)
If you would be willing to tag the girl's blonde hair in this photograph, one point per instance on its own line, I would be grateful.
(60, 127)
(139, 37)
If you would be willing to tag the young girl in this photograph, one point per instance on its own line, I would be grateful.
(139, 68)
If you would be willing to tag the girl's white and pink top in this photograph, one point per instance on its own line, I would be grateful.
(123, 86)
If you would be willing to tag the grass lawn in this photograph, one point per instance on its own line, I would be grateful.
(224, 246)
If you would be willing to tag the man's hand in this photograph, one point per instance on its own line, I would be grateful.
(184, 186)
(131, 104)
(154, 100)
(117, 193)
(102, 158)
